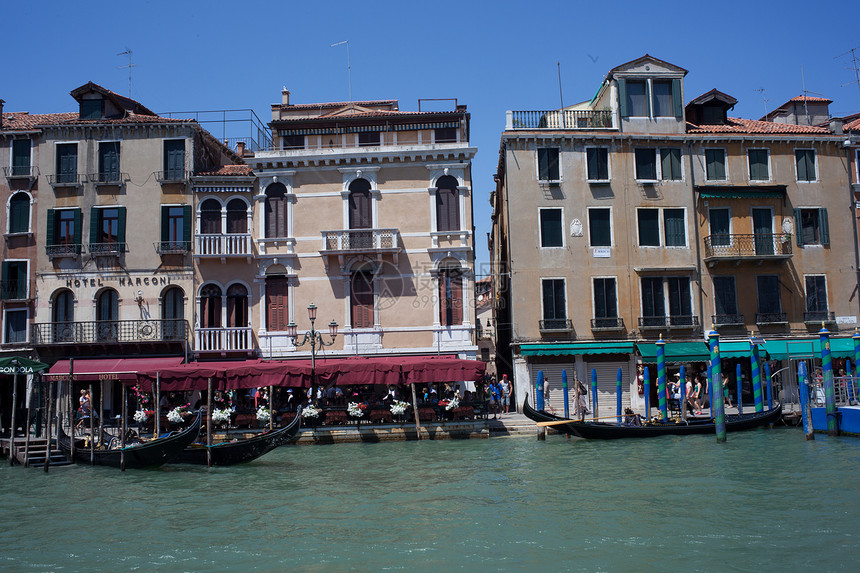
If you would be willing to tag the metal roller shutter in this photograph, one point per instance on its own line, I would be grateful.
(607, 372)
(552, 374)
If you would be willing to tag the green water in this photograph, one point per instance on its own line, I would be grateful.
(764, 501)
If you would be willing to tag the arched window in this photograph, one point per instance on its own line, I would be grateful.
(360, 207)
(361, 299)
(19, 213)
(237, 217)
(276, 211)
(210, 307)
(173, 313)
(63, 316)
(447, 204)
(237, 306)
(107, 314)
(210, 217)
(450, 296)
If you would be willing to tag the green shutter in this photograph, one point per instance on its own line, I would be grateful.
(622, 98)
(49, 234)
(647, 98)
(165, 232)
(798, 231)
(823, 227)
(95, 223)
(20, 278)
(676, 99)
(79, 222)
(120, 231)
(186, 226)
(5, 281)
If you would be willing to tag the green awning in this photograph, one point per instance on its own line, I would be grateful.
(735, 349)
(732, 192)
(20, 365)
(808, 347)
(573, 348)
(675, 352)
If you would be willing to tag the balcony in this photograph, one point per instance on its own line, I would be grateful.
(107, 178)
(110, 332)
(771, 318)
(560, 119)
(172, 247)
(605, 324)
(65, 180)
(757, 247)
(223, 246)
(345, 242)
(555, 325)
(223, 340)
(679, 321)
(173, 176)
(21, 172)
(63, 251)
(727, 319)
(112, 249)
(815, 317)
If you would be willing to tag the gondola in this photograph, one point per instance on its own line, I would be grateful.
(240, 451)
(140, 455)
(610, 430)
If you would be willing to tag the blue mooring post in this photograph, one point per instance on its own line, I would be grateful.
(717, 410)
(564, 392)
(829, 390)
(661, 379)
(683, 377)
(739, 386)
(755, 364)
(539, 391)
(594, 393)
(647, 385)
(854, 382)
(805, 408)
(848, 384)
(769, 386)
(618, 391)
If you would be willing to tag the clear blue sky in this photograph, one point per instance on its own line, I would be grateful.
(491, 56)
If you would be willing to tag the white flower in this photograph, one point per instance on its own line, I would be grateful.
(398, 407)
(221, 416)
(453, 403)
(263, 414)
(354, 410)
(175, 415)
(311, 412)
(140, 416)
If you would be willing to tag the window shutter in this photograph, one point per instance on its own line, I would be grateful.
(622, 98)
(186, 226)
(591, 156)
(798, 230)
(49, 235)
(20, 278)
(676, 99)
(120, 228)
(456, 298)
(6, 291)
(95, 223)
(648, 95)
(823, 227)
(165, 232)
(79, 221)
(19, 213)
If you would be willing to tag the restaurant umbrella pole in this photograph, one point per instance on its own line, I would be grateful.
(594, 393)
(124, 427)
(271, 407)
(71, 410)
(14, 422)
(755, 363)
(829, 390)
(541, 435)
(739, 395)
(565, 393)
(209, 422)
(48, 425)
(683, 382)
(415, 410)
(156, 409)
(661, 378)
(101, 409)
(717, 409)
(647, 385)
(805, 409)
(618, 396)
(92, 428)
(28, 394)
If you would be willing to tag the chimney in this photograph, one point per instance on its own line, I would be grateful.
(836, 125)
(1, 113)
(240, 148)
(285, 96)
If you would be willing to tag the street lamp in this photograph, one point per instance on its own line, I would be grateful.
(316, 339)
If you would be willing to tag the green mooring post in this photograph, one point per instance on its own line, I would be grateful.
(717, 409)
(829, 390)
(661, 379)
(755, 365)
(805, 408)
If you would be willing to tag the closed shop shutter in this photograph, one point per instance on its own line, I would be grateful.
(552, 376)
(607, 373)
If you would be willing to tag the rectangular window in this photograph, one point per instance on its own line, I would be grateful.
(715, 164)
(649, 227)
(92, 109)
(816, 294)
(368, 138)
(719, 220)
(673, 228)
(14, 281)
(663, 100)
(653, 301)
(670, 163)
(107, 230)
(176, 227)
(450, 297)
(812, 226)
(758, 164)
(646, 164)
(362, 300)
(680, 302)
(600, 227)
(598, 163)
(15, 327)
(64, 230)
(445, 135)
(21, 157)
(548, 164)
(725, 296)
(277, 309)
(108, 162)
(551, 234)
(293, 141)
(805, 163)
(768, 295)
(605, 302)
(637, 98)
(174, 159)
(554, 305)
(67, 162)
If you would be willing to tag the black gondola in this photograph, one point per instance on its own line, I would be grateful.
(241, 451)
(140, 455)
(609, 431)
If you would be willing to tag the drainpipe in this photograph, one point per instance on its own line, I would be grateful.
(696, 230)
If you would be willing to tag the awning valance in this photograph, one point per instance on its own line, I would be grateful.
(732, 192)
(808, 348)
(675, 352)
(95, 369)
(574, 348)
(735, 349)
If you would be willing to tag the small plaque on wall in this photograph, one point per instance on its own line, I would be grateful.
(601, 252)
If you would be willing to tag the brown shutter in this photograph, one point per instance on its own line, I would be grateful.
(456, 297)
(362, 300)
(276, 304)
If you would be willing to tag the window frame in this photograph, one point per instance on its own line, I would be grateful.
(61, 175)
(661, 174)
(806, 278)
(173, 173)
(734, 293)
(372, 138)
(25, 170)
(543, 309)
(767, 165)
(814, 155)
(639, 227)
(448, 219)
(821, 226)
(103, 175)
(541, 221)
(725, 163)
(451, 308)
(600, 150)
(594, 291)
(636, 154)
(20, 294)
(758, 293)
(646, 97)
(591, 227)
(729, 238)
(538, 165)
(12, 217)
(26, 330)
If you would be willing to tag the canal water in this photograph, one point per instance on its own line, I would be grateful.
(766, 500)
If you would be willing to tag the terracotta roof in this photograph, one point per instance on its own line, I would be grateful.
(335, 104)
(738, 125)
(367, 114)
(227, 170)
(853, 124)
(810, 99)
(23, 121)
(122, 102)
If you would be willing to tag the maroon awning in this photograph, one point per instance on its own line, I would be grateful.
(184, 377)
(431, 369)
(124, 369)
(283, 373)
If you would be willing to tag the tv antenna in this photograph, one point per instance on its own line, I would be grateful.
(127, 52)
(806, 93)
(348, 68)
(853, 66)
(764, 101)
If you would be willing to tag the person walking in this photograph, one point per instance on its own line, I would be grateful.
(505, 387)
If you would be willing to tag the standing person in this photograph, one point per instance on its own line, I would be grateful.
(495, 398)
(726, 395)
(506, 392)
(696, 397)
(581, 403)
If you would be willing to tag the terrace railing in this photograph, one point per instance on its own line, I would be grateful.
(560, 119)
(110, 331)
(755, 246)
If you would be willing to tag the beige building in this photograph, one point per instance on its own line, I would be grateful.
(365, 211)
(633, 217)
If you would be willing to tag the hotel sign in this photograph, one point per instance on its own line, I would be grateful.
(98, 282)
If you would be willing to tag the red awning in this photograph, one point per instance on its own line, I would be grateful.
(427, 370)
(184, 377)
(95, 369)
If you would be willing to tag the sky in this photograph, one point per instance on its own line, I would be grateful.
(491, 56)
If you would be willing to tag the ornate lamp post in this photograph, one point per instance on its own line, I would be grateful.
(316, 340)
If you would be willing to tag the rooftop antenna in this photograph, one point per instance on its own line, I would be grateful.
(127, 52)
(853, 66)
(764, 101)
(348, 68)
(560, 98)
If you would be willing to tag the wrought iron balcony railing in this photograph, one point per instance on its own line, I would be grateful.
(172, 176)
(360, 240)
(172, 247)
(217, 245)
(754, 246)
(107, 178)
(113, 249)
(63, 250)
(674, 321)
(12, 289)
(819, 316)
(110, 331)
(607, 323)
(728, 319)
(223, 339)
(555, 325)
(771, 318)
(65, 180)
(560, 119)
(21, 171)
